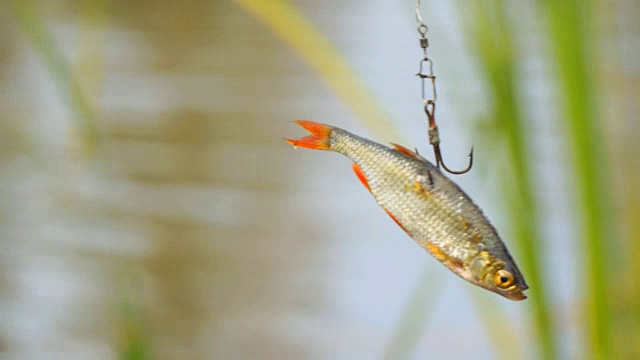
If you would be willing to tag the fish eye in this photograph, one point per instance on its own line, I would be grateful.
(503, 278)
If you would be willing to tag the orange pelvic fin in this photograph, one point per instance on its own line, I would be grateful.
(449, 261)
(319, 138)
(360, 175)
(396, 221)
(404, 150)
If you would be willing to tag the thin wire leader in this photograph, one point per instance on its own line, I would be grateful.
(418, 15)
(425, 61)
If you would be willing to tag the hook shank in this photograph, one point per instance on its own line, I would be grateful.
(434, 140)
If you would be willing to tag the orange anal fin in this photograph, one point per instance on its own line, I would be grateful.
(404, 150)
(319, 138)
(396, 221)
(360, 174)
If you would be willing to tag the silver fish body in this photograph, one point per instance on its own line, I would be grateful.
(430, 207)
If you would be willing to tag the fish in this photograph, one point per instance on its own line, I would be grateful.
(427, 205)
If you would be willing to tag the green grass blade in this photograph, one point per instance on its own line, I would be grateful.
(568, 28)
(26, 14)
(325, 60)
(133, 333)
(414, 318)
(494, 38)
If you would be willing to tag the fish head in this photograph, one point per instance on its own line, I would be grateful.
(499, 274)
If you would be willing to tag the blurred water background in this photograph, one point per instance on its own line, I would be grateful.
(150, 208)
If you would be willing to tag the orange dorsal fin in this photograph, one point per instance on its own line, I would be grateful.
(319, 138)
(360, 175)
(404, 150)
(396, 221)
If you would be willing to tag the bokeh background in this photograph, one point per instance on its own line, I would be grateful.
(149, 208)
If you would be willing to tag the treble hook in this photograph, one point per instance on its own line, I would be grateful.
(434, 140)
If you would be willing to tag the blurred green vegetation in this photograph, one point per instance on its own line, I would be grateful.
(320, 55)
(493, 36)
(574, 51)
(27, 14)
(605, 188)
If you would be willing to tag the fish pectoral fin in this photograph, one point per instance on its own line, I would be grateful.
(405, 151)
(361, 176)
(456, 265)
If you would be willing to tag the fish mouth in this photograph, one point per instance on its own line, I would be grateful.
(516, 296)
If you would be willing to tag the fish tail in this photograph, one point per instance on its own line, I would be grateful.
(319, 138)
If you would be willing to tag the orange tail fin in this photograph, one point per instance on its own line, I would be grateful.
(319, 138)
